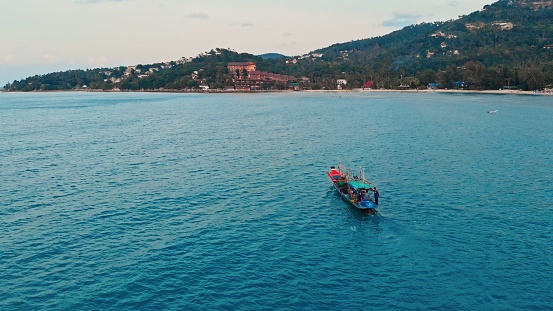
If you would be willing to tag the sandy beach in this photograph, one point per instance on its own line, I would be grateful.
(500, 92)
(497, 92)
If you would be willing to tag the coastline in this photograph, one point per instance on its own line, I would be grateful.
(444, 91)
(495, 92)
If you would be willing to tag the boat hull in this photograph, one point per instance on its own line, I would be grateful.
(368, 207)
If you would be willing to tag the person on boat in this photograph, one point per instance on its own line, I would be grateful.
(360, 196)
(351, 194)
(376, 195)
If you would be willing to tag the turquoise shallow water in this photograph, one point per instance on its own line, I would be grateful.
(220, 202)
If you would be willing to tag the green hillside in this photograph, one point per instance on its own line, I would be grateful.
(508, 43)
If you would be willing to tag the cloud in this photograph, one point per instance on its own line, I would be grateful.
(288, 34)
(244, 25)
(49, 59)
(7, 59)
(198, 15)
(402, 19)
(453, 3)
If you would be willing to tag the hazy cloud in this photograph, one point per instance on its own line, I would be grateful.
(402, 19)
(453, 3)
(48, 59)
(243, 25)
(7, 59)
(198, 15)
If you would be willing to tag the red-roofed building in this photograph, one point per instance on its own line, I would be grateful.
(255, 80)
(248, 66)
(258, 75)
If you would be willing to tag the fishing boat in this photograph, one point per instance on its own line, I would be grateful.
(353, 189)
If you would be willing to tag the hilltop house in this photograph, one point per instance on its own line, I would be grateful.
(504, 26)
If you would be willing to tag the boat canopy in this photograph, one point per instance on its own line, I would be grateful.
(359, 184)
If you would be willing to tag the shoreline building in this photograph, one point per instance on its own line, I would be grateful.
(255, 80)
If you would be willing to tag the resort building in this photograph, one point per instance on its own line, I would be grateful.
(262, 75)
(241, 66)
(255, 80)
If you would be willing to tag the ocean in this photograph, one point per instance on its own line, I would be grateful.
(149, 201)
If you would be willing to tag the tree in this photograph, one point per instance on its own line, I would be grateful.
(279, 85)
(193, 84)
(316, 86)
(412, 82)
(427, 76)
(473, 74)
(448, 77)
(532, 77)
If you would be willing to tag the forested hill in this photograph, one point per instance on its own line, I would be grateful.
(507, 43)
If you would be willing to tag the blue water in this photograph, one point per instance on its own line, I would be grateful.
(137, 201)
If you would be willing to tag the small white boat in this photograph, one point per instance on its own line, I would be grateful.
(492, 111)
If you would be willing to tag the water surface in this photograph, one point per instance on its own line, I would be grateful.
(137, 201)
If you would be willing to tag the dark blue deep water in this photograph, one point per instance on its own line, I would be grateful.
(220, 202)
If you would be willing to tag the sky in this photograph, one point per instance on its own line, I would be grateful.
(38, 37)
